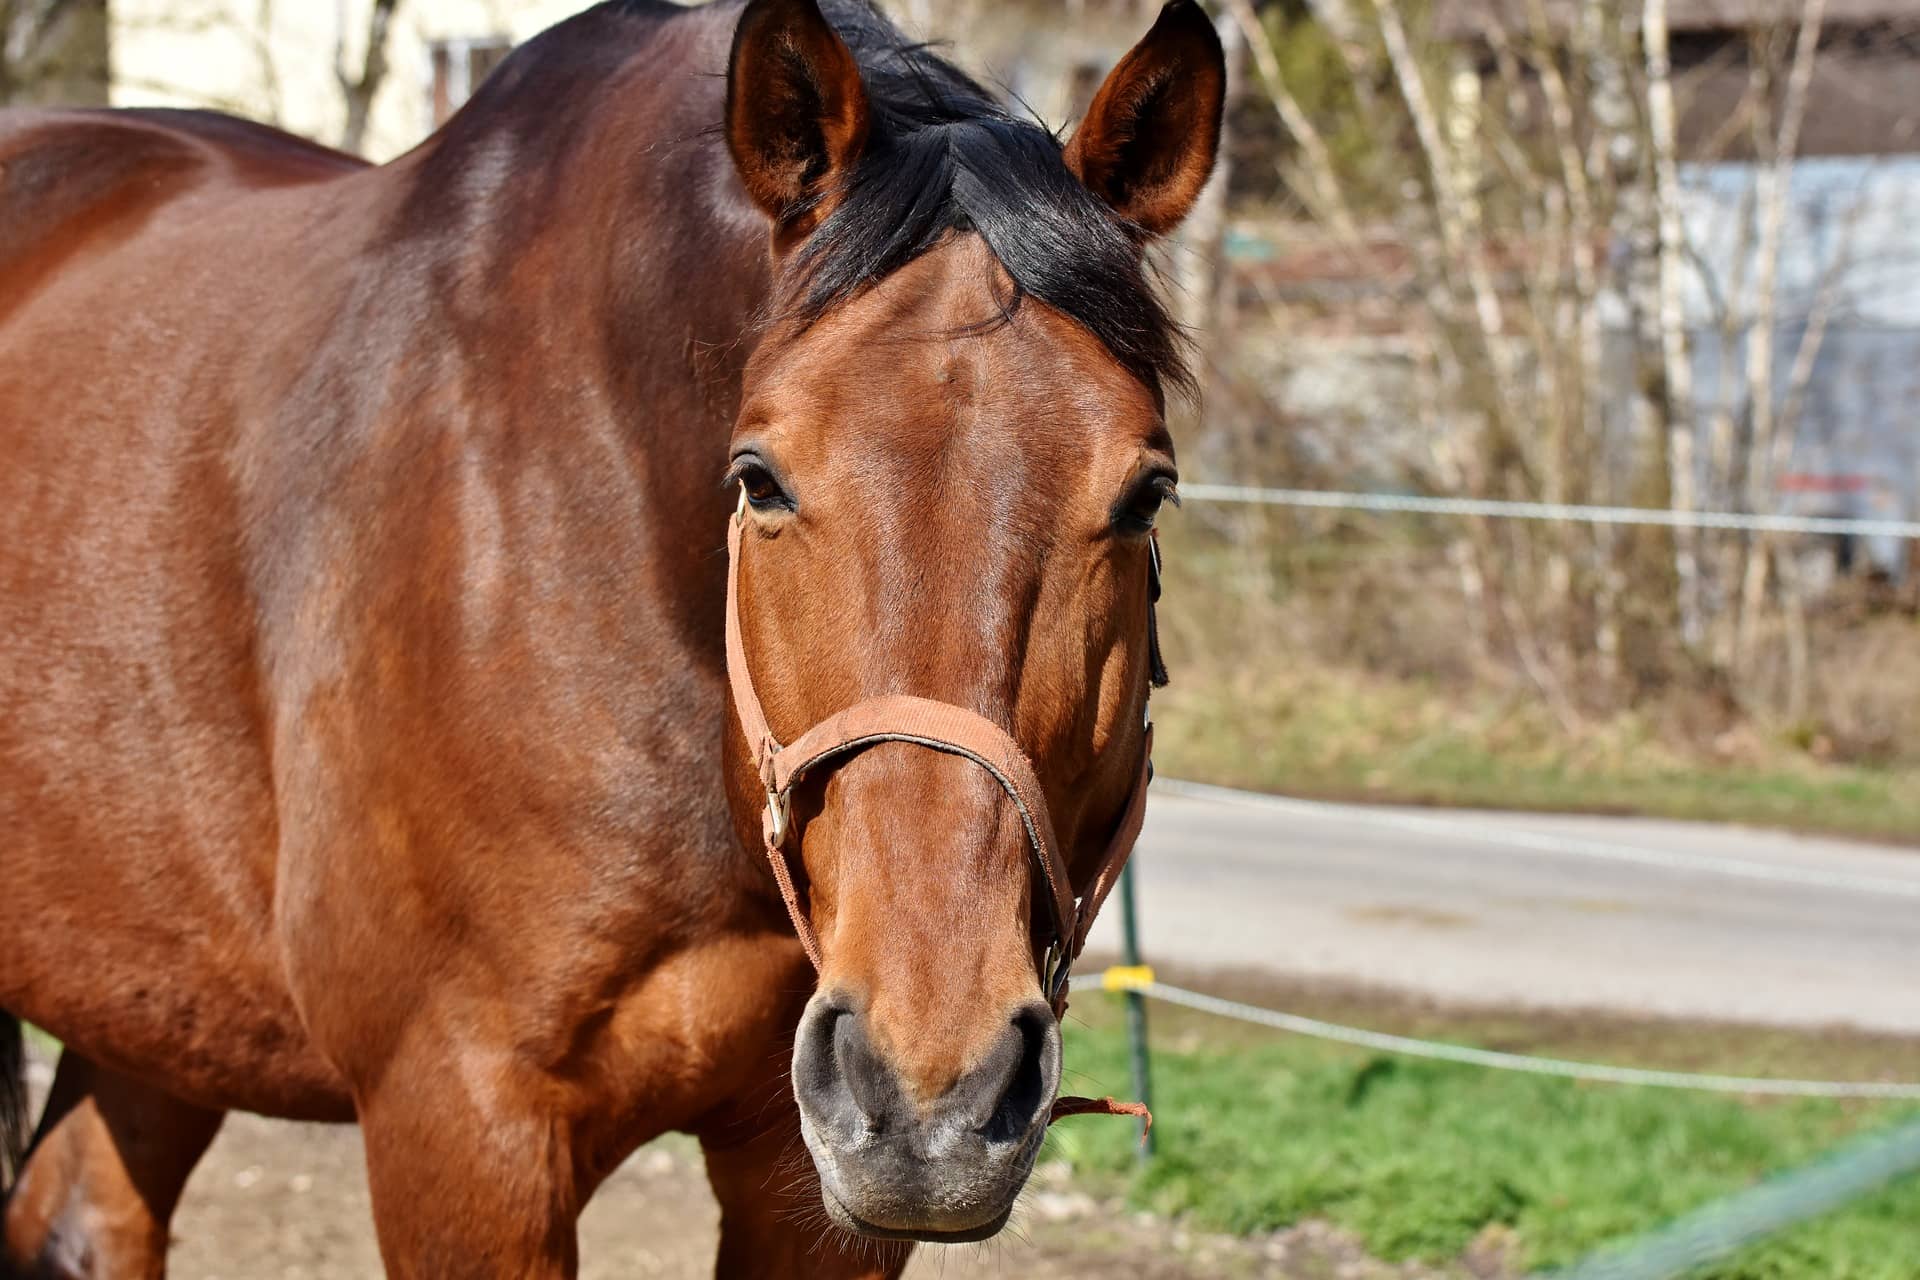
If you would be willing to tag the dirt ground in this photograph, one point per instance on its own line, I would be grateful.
(281, 1201)
(289, 1202)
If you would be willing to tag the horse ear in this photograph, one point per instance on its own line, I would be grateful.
(796, 110)
(1149, 137)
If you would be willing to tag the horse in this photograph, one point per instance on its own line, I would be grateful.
(385, 736)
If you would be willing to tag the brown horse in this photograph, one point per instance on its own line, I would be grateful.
(366, 743)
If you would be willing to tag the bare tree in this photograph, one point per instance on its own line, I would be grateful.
(1676, 360)
(1770, 445)
(1533, 166)
(361, 86)
(1322, 185)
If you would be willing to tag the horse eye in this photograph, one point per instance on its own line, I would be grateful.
(1138, 511)
(762, 489)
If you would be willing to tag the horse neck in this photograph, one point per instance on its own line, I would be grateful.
(599, 192)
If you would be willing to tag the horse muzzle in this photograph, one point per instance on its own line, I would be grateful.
(943, 1169)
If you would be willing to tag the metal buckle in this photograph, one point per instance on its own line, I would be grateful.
(1057, 967)
(779, 814)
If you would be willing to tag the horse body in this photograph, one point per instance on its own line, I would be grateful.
(363, 714)
(134, 491)
(273, 762)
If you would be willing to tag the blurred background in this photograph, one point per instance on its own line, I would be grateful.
(1565, 256)
(1508, 249)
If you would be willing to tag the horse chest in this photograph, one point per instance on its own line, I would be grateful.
(706, 1024)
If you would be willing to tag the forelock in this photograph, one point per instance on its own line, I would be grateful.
(943, 156)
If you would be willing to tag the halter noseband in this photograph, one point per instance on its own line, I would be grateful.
(938, 726)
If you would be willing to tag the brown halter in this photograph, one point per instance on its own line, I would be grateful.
(939, 726)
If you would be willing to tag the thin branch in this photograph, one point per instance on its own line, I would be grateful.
(1450, 205)
(1326, 196)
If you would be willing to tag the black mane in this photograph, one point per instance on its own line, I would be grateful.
(943, 155)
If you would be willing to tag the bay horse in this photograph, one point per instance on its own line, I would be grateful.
(385, 736)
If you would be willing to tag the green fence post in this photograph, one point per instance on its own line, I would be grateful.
(1136, 1006)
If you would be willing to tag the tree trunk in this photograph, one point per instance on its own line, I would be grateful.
(1671, 321)
(1774, 190)
(360, 89)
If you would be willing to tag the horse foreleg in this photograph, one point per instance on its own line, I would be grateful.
(771, 1220)
(104, 1174)
(472, 1177)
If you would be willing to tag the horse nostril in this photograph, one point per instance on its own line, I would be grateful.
(852, 1094)
(833, 1070)
(1019, 1079)
(869, 1081)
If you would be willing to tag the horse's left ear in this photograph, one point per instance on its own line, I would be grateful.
(1150, 135)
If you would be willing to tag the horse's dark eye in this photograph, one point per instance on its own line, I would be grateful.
(759, 484)
(1137, 511)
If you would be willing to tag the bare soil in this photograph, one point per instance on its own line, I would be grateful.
(278, 1201)
(275, 1200)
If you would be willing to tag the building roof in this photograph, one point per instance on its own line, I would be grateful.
(1466, 19)
(1865, 94)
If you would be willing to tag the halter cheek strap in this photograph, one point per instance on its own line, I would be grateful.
(937, 726)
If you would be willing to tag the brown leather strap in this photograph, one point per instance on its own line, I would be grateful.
(746, 703)
(1119, 849)
(1064, 1107)
(942, 727)
(938, 726)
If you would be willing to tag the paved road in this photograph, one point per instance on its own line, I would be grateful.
(1624, 914)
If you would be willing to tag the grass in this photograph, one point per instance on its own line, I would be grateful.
(1419, 1160)
(1343, 735)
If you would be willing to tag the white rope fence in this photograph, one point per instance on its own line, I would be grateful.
(1720, 1229)
(1556, 511)
(1707, 1234)
(1124, 979)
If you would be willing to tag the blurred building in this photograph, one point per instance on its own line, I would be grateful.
(1866, 79)
(281, 60)
(1849, 267)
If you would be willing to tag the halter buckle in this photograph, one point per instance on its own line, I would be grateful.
(1054, 971)
(779, 815)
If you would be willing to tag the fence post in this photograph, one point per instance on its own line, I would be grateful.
(1136, 1005)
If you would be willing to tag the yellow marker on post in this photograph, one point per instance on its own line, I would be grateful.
(1127, 977)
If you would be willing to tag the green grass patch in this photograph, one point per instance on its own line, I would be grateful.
(1258, 1131)
(1346, 736)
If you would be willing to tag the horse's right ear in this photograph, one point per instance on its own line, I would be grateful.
(796, 110)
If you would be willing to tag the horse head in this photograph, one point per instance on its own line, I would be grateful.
(951, 452)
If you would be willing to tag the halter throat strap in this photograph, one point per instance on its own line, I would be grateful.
(937, 726)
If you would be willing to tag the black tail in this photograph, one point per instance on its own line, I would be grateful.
(13, 1100)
